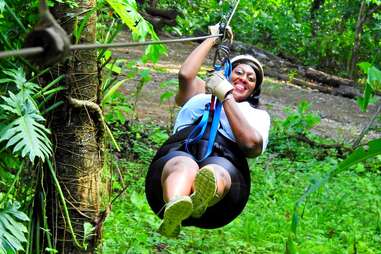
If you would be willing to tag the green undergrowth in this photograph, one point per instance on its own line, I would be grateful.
(342, 217)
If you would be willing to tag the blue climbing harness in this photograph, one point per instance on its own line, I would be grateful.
(212, 110)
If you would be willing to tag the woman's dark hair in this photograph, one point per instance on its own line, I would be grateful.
(254, 97)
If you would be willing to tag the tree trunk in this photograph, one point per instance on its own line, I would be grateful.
(315, 6)
(78, 134)
(357, 41)
(328, 79)
(365, 14)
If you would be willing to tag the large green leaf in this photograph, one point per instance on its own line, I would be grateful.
(373, 84)
(25, 133)
(372, 149)
(12, 231)
(140, 28)
(2, 5)
(374, 77)
(126, 12)
(112, 90)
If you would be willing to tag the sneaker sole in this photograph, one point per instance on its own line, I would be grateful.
(205, 189)
(174, 214)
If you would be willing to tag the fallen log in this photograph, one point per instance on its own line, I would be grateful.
(167, 14)
(280, 68)
(345, 91)
(328, 79)
(157, 21)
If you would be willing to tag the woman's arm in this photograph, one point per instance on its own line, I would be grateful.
(189, 83)
(249, 140)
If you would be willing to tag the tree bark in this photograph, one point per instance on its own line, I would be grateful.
(78, 132)
(365, 14)
(357, 41)
(315, 6)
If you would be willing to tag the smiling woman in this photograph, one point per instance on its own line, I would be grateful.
(209, 192)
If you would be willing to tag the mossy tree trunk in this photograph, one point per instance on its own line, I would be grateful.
(78, 133)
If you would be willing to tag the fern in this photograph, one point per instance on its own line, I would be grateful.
(12, 232)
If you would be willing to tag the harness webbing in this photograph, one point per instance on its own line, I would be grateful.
(211, 110)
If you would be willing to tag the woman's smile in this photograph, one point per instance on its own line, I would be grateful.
(243, 79)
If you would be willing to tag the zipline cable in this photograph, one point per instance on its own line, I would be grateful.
(44, 13)
(232, 13)
(38, 50)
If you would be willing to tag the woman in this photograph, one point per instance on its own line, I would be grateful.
(211, 193)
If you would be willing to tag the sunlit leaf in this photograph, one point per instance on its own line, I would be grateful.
(12, 232)
(112, 90)
(2, 5)
(140, 28)
(25, 133)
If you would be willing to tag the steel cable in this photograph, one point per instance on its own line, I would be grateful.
(30, 51)
(39, 50)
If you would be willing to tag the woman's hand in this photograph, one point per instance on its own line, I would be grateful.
(228, 33)
(217, 84)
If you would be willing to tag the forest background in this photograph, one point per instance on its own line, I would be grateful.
(64, 188)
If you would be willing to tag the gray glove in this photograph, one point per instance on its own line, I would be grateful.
(215, 30)
(217, 84)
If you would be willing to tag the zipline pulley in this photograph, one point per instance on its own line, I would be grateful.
(49, 35)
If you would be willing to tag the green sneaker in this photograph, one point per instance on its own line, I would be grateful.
(175, 212)
(204, 190)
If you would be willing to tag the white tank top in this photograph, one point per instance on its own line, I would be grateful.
(194, 108)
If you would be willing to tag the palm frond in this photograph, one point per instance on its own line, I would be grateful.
(12, 231)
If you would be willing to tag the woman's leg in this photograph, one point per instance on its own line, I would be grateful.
(177, 180)
(178, 177)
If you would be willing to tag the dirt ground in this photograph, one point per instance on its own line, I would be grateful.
(341, 118)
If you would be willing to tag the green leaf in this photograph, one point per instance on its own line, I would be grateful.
(5, 80)
(126, 12)
(290, 246)
(364, 66)
(373, 83)
(78, 31)
(372, 149)
(114, 68)
(169, 82)
(88, 231)
(112, 90)
(2, 6)
(166, 96)
(16, 228)
(374, 78)
(12, 232)
(26, 133)
(140, 28)
(50, 250)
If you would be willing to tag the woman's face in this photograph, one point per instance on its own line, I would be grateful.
(243, 80)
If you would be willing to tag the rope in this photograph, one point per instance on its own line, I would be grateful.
(39, 50)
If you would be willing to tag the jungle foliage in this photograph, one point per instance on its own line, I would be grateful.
(282, 215)
(318, 33)
(338, 213)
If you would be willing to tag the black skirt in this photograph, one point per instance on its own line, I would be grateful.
(225, 153)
